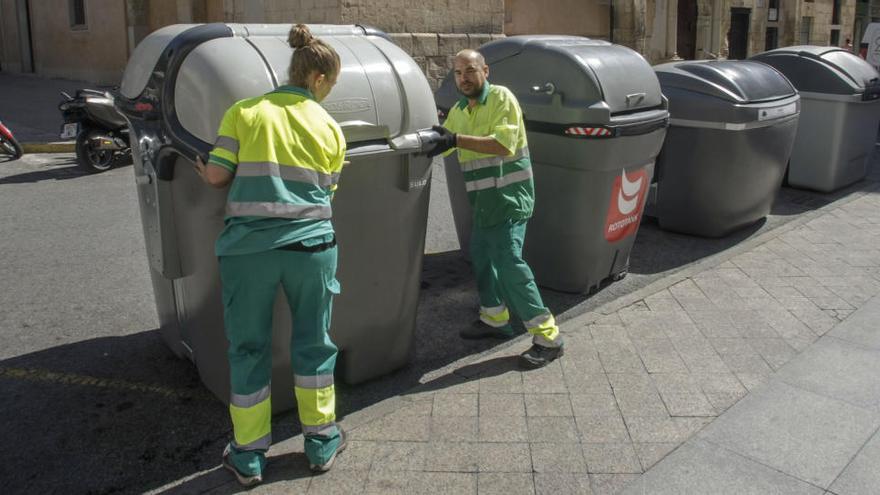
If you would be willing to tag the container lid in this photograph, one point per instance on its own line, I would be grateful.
(380, 92)
(736, 81)
(582, 71)
(822, 69)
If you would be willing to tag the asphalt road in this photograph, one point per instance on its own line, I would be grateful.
(95, 403)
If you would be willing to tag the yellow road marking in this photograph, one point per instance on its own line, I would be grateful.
(39, 375)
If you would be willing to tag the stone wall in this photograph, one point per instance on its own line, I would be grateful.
(434, 53)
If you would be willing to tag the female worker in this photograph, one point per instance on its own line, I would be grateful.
(282, 153)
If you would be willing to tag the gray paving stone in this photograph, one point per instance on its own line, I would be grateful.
(838, 369)
(776, 352)
(546, 380)
(505, 484)
(422, 407)
(338, 483)
(585, 383)
(504, 457)
(752, 381)
(399, 456)
(507, 383)
(640, 403)
(562, 484)
(663, 430)
(702, 468)
(747, 363)
(621, 361)
(357, 456)
(503, 429)
(386, 482)
(661, 301)
(454, 428)
(631, 381)
(720, 383)
(458, 457)
(552, 429)
(803, 434)
(445, 483)
(502, 405)
(687, 404)
(819, 322)
(861, 327)
(454, 384)
(660, 356)
(455, 405)
(724, 400)
(548, 405)
(611, 484)
(395, 428)
(651, 453)
(558, 458)
(611, 458)
(593, 404)
(602, 428)
(861, 475)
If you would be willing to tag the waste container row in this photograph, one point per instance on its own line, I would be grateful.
(597, 117)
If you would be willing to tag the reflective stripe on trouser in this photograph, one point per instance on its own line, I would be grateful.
(496, 317)
(250, 286)
(251, 419)
(505, 280)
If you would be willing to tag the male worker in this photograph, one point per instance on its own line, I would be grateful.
(486, 126)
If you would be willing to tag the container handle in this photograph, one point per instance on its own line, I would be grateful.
(548, 89)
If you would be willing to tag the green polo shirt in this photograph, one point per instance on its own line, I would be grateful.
(499, 188)
(286, 152)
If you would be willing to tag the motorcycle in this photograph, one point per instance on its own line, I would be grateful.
(8, 144)
(101, 132)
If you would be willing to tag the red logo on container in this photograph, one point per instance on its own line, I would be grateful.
(627, 199)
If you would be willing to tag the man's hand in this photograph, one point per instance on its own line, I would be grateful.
(446, 141)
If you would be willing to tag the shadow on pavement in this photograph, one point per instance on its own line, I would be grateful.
(107, 415)
(58, 172)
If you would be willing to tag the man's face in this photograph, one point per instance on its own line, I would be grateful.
(470, 76)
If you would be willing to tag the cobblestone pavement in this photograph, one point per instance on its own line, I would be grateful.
(636, 381)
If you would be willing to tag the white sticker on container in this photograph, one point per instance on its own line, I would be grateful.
(777, 112)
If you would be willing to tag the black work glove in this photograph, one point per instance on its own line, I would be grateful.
(445, 140)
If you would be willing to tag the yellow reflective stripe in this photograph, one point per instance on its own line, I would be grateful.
(494, 161)
(251, 424)
(544, 326)
(286, 172)
(498, 182)
(495, 317)
(225, 154)
(317, 406)
(227, 143)
(277, 210)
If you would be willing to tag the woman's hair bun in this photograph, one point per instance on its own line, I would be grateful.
(299, 36)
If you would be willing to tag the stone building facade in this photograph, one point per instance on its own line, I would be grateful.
(91, 39)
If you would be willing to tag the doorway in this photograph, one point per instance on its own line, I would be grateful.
(738, 36)
(687, 29)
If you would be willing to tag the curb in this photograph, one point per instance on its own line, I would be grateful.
(55, 147)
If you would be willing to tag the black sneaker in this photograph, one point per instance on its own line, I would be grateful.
(243, 479)
(539, 356)
(480, 330)
(323, 468)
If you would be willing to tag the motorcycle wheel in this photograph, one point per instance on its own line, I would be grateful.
(9, 146)
(90, 159)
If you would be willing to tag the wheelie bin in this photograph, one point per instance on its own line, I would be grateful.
(175, 90)
(840, 112)
(595, 120)
(732, 128)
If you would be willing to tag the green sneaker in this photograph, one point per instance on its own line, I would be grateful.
(243, 479)
(480, 330)
(323, 468)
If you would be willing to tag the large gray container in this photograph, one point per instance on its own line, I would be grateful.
(179, 82)
(840, 111)
(595, 120)
(732, 127)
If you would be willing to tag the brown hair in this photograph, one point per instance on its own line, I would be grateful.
(310, 54)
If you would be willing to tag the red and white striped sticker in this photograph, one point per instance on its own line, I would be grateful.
(587, 131)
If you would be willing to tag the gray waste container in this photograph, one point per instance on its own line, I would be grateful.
(840, 111)
(178, 83)
(595, 120)
(732, 127)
